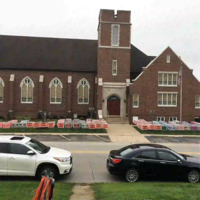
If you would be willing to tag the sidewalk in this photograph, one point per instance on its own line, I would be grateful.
(125, 133)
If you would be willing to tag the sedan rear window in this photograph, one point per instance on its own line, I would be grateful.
(126, 152)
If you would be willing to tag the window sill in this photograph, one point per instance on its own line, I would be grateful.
(83, 103)
(197, 107)
(27, 102)
(167, 106)
(135, 106)
(167, 85)
(115, 45)
(55, 102)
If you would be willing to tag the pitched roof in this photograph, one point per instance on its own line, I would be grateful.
(38, 53)
(139, 60)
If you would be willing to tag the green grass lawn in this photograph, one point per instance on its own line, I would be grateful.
(147, 191)
(17, 190)
(168, 132)
(51, 130)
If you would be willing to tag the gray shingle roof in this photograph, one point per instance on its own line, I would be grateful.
(37, 53)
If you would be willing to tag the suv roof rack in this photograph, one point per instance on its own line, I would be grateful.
(17, 138)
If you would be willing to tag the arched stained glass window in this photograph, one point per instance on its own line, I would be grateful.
(27, 86)
(115, 35)
(83, 91)
(55, 91)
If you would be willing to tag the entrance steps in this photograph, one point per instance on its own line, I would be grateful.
(117, 120)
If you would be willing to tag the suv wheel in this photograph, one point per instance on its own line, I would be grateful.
(132, 175)
(193, 176)
(49, 171)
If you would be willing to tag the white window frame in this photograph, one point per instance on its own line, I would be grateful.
(197, 96)
(171, 119)
(112, 27)
(167, 85)
(167, 105)
(136, 106)
(79, 84)
(168, 59)
(59, 83)
(160, 119)
(114, 62)
(3, 85)
(32, 83)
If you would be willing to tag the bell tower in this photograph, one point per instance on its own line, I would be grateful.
(114, 51)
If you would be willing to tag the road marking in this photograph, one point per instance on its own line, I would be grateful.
(90, 152)
(102, 138)
(107, 152)
(64, 137)
(190, 153)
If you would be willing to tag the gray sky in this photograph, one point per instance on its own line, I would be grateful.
(156, 24)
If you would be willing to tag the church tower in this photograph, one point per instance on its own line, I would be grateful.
(113, 71)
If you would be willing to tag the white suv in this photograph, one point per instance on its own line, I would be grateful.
(23, 156)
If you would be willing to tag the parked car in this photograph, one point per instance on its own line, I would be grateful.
(23, 156)
(142, 160)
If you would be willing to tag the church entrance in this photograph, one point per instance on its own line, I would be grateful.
(113, 105)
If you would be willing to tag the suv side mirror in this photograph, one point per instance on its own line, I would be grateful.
(30, 153)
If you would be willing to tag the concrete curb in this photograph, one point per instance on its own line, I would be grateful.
(51, 134)
(160, 135)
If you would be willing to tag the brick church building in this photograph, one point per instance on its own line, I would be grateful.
(63, 76)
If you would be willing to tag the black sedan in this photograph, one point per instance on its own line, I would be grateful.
(142, 160)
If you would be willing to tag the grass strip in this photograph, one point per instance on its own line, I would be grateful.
(51, 130)
(18, 190)
(156, 132)
(146, 191)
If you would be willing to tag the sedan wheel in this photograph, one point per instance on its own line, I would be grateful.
(132, 175)
(193, 176)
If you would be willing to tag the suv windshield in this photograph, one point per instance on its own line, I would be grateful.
(39, 147)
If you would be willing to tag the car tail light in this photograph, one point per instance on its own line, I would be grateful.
(116, 160)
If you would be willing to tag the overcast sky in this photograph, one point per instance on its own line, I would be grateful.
(156, 24)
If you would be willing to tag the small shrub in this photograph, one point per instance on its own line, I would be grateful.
(69, 114)
(27, 118)
(197, 119)
(82, 117)
(1, 117)
(39, 116)
(55, 117)
(19, 118)
(49, 115)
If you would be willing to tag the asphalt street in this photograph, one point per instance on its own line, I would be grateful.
(89, 159)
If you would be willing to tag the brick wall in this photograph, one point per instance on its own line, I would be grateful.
(107, 53)
(69, 98)
(105, 57)
(147, 87)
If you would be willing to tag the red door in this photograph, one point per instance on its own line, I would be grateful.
(113, 105)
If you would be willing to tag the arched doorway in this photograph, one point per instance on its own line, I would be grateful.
(113, 105)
